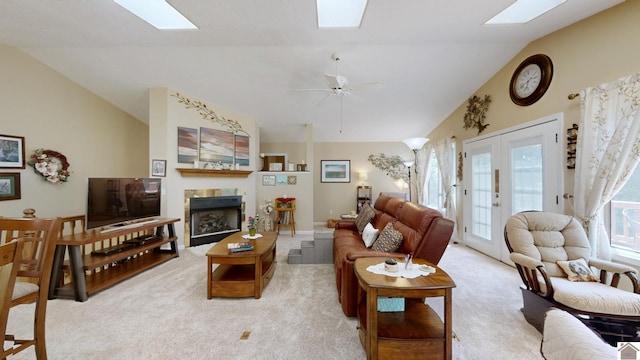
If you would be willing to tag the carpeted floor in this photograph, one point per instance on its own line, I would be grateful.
(163, 313)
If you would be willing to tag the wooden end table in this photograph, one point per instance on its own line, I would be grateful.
(417, 332)
(241, 274)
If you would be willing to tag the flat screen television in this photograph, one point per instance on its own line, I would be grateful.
(114, 202)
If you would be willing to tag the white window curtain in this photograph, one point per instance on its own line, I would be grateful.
(608, 149)
(423, 158)
(445, 156)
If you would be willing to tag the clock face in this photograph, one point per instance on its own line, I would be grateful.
(531, 80)
(528, 80)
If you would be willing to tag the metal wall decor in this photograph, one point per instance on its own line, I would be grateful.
(476, 113)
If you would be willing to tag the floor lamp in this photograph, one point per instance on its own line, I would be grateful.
(415, 144)
(409, 164)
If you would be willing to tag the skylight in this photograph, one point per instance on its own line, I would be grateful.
(340, 13)
(158, 13)
(523, 11)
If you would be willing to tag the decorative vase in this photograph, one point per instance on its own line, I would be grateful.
(252, 232)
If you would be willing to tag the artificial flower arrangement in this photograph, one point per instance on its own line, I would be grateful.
(267, 209)
(252, 222)
(51, 165)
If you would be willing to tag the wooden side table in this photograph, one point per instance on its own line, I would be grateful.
(415, 333)
(285, 210)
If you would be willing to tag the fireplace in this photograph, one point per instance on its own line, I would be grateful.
(212, 218)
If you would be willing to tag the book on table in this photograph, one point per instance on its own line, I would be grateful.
(240, 246)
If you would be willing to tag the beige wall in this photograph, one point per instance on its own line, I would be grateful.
(52, 112)
(596, 50)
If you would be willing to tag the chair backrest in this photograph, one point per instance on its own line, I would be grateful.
(9, 257)
(547, 237)
(39, 236)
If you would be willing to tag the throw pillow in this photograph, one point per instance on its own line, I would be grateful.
(577, 270)
(369, 235)
(364, 217)
(389, 239)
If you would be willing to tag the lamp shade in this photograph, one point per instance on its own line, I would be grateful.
(363, 176)
(415, 143)
(408, 163)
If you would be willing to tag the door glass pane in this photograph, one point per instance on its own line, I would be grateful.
(481, 190)
(526, 177)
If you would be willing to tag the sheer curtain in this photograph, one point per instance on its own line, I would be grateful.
(608, 149)
(444, 154)
(423, 158)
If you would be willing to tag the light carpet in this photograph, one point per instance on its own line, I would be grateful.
(163, 313)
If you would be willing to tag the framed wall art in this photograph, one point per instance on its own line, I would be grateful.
(158, 167)
(216, 146)
(241, 150)
(187, 145)
(9, 186)
(269, 180)
(12, 152)
(335, 171)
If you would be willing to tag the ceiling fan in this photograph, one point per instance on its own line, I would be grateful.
(338, 85)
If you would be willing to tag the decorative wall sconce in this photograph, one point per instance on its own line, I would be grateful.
(572, 140)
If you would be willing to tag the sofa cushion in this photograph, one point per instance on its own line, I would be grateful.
(389, 239)
(364, 217)
(577, 270)
(369, 235)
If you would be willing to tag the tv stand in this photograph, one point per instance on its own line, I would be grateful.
(91, 273)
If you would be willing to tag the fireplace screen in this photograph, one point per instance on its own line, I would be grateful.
(214, 218)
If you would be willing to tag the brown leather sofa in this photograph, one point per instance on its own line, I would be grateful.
(425, 233)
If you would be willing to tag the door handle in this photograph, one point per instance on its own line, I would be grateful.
(496, 204)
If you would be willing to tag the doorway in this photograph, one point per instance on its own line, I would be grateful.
(513, 170)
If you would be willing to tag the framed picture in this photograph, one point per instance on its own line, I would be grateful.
(9, 186)
(158, 167)
(12, 152)
(281, 179)
(241, 151)
(335, 171)
(216, 146)
(187, 145)
(269, 180)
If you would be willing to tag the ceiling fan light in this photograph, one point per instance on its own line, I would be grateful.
(415, 143)
(340, 13)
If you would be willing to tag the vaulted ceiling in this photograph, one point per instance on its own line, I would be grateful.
(250, 56)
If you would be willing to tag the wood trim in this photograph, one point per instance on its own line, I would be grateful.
(191, 172)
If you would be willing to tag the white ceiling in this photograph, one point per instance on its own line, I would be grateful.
(249, 56)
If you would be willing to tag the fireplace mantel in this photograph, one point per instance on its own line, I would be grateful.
(192, 172)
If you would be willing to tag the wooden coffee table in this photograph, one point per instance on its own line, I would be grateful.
(416, 333)
(241, 274)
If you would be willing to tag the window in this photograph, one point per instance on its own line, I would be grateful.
(625, 216)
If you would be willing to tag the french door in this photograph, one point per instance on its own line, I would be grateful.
(504, 173)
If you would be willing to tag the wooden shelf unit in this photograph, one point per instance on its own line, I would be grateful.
(93, 273)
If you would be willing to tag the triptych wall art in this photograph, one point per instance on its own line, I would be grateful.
(212, 146)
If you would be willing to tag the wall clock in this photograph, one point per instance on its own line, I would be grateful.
(531, 79)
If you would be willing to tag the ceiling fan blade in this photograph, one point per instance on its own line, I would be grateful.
(373, 85)
(353, 95)
(313, 89)
(336, 81)
(324, 98)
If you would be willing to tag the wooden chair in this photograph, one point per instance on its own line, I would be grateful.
(34, 272)
(285, 209)
(553, 256)
(9, 258)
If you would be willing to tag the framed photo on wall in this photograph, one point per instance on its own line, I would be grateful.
(12, 152)
(9, 186)
(158, 167)
(335, 171)
(269, 180)
(187, 145)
